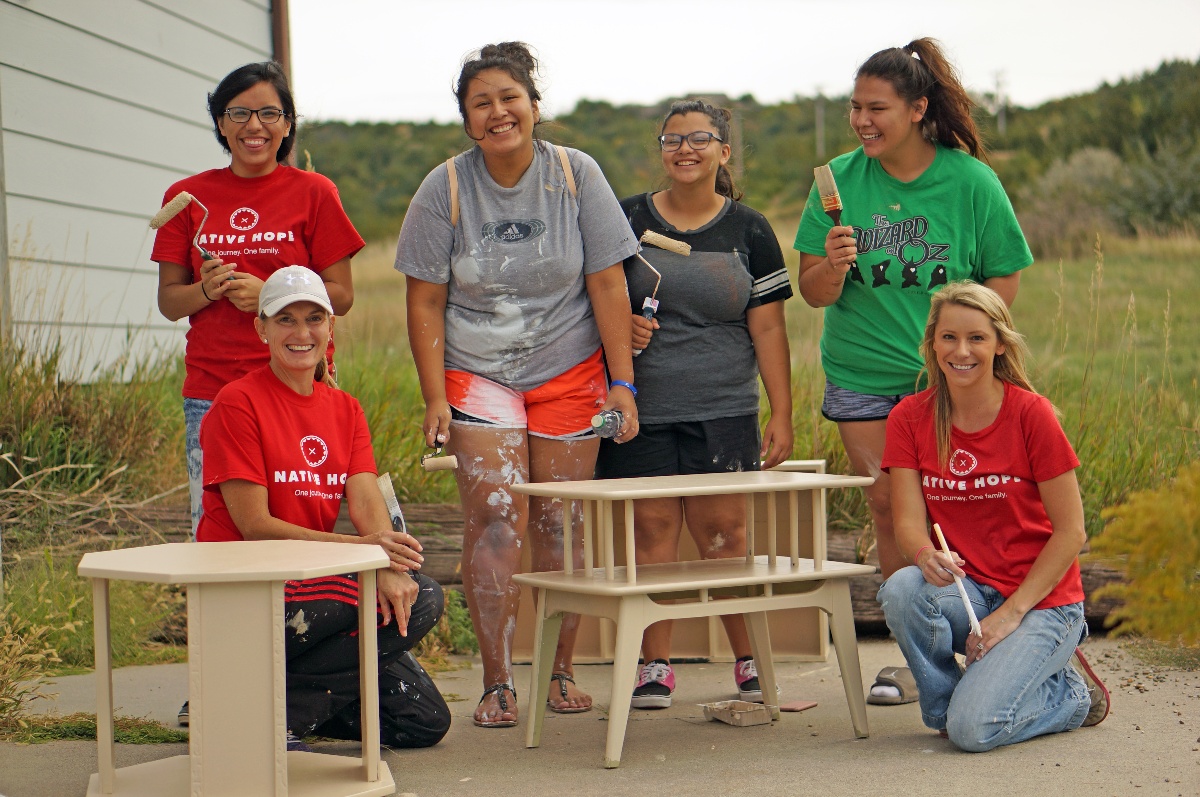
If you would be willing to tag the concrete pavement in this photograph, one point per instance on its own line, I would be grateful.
(1149, 745)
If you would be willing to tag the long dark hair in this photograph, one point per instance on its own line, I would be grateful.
(513, 57)
(720, 119)
(920, 69)
(242, 79)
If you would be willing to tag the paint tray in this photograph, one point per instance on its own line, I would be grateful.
(739, 713)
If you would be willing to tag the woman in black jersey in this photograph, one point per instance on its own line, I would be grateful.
(719, 325)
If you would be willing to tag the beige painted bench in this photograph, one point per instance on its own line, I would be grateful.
(632, 597)
(236, 674)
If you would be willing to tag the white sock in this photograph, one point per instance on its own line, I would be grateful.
(881, 690)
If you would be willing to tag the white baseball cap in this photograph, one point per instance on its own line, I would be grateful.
(290, 285)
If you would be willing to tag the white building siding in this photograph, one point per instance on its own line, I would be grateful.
(102, 106)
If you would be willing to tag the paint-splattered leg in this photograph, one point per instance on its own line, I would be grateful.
(491, 460)
(717, 524)
(658, 523)
(560, 460)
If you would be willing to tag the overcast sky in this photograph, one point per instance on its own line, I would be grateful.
(392, 60)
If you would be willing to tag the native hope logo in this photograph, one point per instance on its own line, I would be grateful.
(513, 231)
(314, 450)
(962, 462)
(243, 219)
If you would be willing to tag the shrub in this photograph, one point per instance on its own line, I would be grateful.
(1156, 535)
(25, 657)
(1064, 210)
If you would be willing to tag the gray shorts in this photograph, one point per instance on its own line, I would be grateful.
(841, 405)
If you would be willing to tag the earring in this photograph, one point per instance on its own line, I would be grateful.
(264, 340)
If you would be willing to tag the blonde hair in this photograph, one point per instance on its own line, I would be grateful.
(1008, 366)
(323, 373)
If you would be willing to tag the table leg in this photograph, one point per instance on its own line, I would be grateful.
(631, 623)
(104, 685)
(845, 643)
(545, 640)
(760, 648)
(237, 688)
(368, 675)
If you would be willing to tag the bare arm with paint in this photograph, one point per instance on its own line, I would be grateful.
(426, 303)
(609, 295)
(768, 331)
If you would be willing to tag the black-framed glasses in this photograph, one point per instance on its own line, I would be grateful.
(268, 116)
(673, 141)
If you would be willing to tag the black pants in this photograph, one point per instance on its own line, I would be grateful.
(321, 638)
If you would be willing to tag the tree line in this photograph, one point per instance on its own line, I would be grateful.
(1123, 158)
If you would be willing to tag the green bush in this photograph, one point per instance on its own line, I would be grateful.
(1155, 535)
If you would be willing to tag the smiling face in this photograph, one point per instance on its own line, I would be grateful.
(966, 345)
(687, 165)
(500, 116)
(887, 126)
(297, 337)
(252, 144)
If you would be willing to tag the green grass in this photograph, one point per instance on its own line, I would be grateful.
(44, 590)
(41, 728)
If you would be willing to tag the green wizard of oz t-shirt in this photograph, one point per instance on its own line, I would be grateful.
(954, 222)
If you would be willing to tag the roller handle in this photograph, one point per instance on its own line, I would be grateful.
(649, 307)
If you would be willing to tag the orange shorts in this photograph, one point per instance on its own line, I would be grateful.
(561, 408)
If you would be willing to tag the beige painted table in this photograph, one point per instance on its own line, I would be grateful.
(633, 597)
(236, 674)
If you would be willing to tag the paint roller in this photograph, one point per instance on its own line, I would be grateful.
(650, 304)
(172, 209)
(435, 461)
(393, 503)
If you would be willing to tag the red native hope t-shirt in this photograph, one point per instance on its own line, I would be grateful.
(261, 224)
(988, 504)
(301, 448)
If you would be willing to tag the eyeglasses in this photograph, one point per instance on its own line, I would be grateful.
(268, 116)
(697, 140)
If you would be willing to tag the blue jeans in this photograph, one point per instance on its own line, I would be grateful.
(193, 412)
(1022, 688)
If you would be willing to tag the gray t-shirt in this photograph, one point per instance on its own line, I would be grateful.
(517, 310)
(700, 365)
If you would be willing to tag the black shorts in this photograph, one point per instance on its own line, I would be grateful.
(668, 449)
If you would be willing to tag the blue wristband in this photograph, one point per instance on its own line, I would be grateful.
(627, 385)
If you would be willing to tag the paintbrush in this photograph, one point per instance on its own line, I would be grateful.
(172, 209)
(831, 201)
(393, 503)
(962, 590)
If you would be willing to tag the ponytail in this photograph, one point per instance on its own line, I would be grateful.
(920, 69)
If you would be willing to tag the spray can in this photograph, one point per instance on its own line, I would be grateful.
(607, 423)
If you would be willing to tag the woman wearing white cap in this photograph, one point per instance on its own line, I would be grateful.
(282, 448)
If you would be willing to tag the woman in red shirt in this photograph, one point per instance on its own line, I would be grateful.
(983, 456)
(283, 449)
(262, 215)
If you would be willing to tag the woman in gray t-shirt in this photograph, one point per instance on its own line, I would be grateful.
(722, 326)
(518, 319)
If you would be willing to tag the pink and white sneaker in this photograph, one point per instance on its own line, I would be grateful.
(656, 683)
(745, 674)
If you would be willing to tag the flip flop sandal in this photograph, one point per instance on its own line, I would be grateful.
(562, 679)
(499, 689)
(898, 677)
